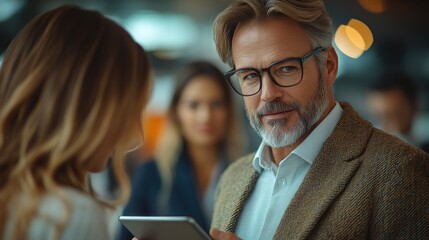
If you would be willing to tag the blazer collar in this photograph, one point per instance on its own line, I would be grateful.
(242, 190)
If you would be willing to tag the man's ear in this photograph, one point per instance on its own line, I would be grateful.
(331, 67)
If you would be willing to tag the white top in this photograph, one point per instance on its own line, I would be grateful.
(87, 218)
(277, 185)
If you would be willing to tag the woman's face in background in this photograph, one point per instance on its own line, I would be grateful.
(203, 112)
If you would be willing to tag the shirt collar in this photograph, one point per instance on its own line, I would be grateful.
(308, 149)
(263, 159)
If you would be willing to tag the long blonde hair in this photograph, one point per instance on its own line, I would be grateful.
(72, 83)
(172, 141)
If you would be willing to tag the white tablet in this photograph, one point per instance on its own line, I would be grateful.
(163, 228)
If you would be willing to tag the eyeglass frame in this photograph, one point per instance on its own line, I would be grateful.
(301, 60)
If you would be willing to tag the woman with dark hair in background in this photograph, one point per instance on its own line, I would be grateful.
(73, 86)
(201, 137)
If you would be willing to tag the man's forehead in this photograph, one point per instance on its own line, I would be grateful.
(272, 39)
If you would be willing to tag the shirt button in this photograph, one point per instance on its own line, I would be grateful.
(283, 182)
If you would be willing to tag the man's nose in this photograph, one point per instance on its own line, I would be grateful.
(269, 89)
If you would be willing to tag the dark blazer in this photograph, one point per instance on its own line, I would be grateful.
(364, 184)
(146, 189)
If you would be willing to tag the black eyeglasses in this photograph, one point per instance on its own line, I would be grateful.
(286, 72)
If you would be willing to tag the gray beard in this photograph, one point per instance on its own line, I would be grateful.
(276, 136)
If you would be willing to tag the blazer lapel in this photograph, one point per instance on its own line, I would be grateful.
(241, 191)
(184, 193)
(235, 214)
(331, 171)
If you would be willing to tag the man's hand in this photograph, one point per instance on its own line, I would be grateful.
(217, 234)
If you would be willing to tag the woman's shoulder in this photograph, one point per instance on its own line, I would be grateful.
(85, 217)
(81, 200)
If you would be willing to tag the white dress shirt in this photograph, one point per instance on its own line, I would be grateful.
(277, 185)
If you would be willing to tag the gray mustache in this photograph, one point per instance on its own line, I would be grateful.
(277, 106)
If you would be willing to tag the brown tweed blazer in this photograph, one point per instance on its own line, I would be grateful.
(364, 184)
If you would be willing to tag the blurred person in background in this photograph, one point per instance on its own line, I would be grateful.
(393, 103)
(73, 86)
(201, 137)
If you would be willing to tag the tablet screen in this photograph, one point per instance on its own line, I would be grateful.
(160, 228)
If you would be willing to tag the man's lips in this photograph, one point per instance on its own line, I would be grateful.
(276, 115)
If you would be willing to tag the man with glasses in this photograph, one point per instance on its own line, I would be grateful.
(321, 171)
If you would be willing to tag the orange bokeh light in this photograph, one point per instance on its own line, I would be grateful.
(374, 6)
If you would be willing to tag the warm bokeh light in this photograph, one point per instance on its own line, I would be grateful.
(349, 41)
(355, 37)
(364, 31)
(374, 6)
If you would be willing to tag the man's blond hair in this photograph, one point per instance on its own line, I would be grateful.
(310, 14)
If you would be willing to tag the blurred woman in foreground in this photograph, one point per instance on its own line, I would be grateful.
(73, 86)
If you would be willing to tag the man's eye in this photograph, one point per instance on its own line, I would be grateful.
(250, 76)
(288, 69)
